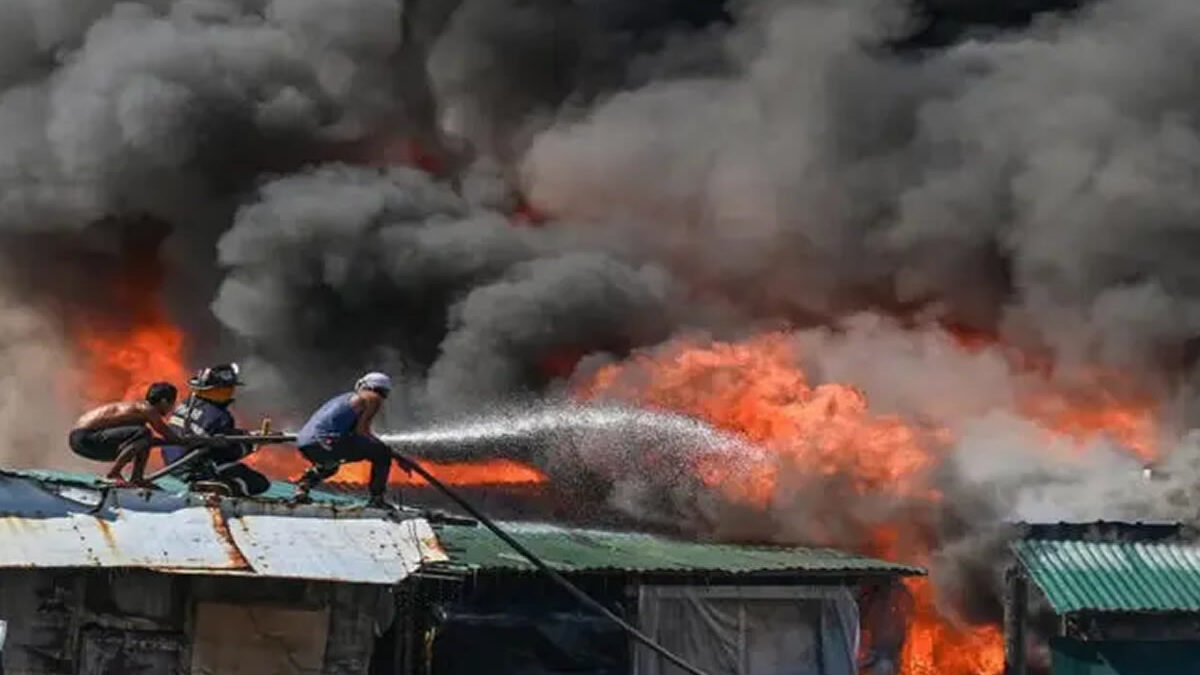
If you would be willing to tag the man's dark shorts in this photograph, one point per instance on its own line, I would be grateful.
(103, 445)
(349, 448)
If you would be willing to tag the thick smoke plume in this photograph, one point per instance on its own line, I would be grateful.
(1039, 182)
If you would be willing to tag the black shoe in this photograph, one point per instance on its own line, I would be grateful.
(378, 502)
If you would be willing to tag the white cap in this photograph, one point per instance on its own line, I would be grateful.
(377, 381)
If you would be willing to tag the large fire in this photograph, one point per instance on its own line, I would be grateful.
(756, 388)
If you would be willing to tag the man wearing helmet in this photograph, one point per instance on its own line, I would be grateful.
(121, 432)
(340, 431)
(206, 413)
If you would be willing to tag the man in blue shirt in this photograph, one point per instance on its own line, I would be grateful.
(340, 431)
(206, 413)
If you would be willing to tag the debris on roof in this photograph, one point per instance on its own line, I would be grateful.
(1114, 576)
(584, 550)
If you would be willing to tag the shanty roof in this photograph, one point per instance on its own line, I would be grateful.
(1129, 574)
(67, 520)
(57, 519)
(585, 550)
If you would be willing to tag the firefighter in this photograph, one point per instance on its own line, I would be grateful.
(206, 413)
(340, 431)
(121, 432)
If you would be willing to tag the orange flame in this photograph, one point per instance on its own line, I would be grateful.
(287, 464)
(121, 364)
(1098, 403)
(486, 472)
(935, 646)
(756, 389)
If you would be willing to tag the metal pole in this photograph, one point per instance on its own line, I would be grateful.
(191, 441)
(554, 576)
(1016, 599)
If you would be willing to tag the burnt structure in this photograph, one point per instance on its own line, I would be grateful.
(103, 581)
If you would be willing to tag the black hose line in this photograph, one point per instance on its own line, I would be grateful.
(537, 562)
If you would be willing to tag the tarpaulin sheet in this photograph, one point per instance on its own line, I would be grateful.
(750, 630)
(527, 641)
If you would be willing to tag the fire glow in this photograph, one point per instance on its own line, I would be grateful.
(286, 464)
(755, 388)
(121, 364)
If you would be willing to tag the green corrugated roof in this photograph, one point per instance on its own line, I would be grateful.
(580, 550)
(1112, 576)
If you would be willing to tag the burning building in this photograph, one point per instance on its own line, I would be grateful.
(910, 279)
(103, 581)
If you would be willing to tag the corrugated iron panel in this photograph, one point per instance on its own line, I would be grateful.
(59, 521)
(180, 539)
(355, 550)
(1113, 576)
(579, 550)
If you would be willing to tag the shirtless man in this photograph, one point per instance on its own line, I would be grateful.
(120, 432)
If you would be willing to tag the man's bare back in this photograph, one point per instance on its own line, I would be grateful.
(121, 432)
(116, 414)
(125, 413)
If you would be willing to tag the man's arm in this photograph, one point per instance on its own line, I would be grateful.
(367, 407)
(160, 427)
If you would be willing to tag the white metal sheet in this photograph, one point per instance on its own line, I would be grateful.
(369, 550)
(187, 538)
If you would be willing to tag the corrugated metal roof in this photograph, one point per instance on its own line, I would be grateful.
(580, 550)
(182, 539)
(367, 550)
(61, 521)
(1114, 576)
(65, 520)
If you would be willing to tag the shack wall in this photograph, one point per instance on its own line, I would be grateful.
(124, 622)
(514, 624)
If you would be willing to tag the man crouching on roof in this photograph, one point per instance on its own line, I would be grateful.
(206, 414)
(340, 431)
(120, 432)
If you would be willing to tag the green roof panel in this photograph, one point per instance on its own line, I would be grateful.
(1114, 576)
(585, 550)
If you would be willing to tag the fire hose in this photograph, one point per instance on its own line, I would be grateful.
(411, 464)
(198, 447)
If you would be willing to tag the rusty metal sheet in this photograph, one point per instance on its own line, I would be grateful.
(184, 539)
(50, 521)
(367, 550)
